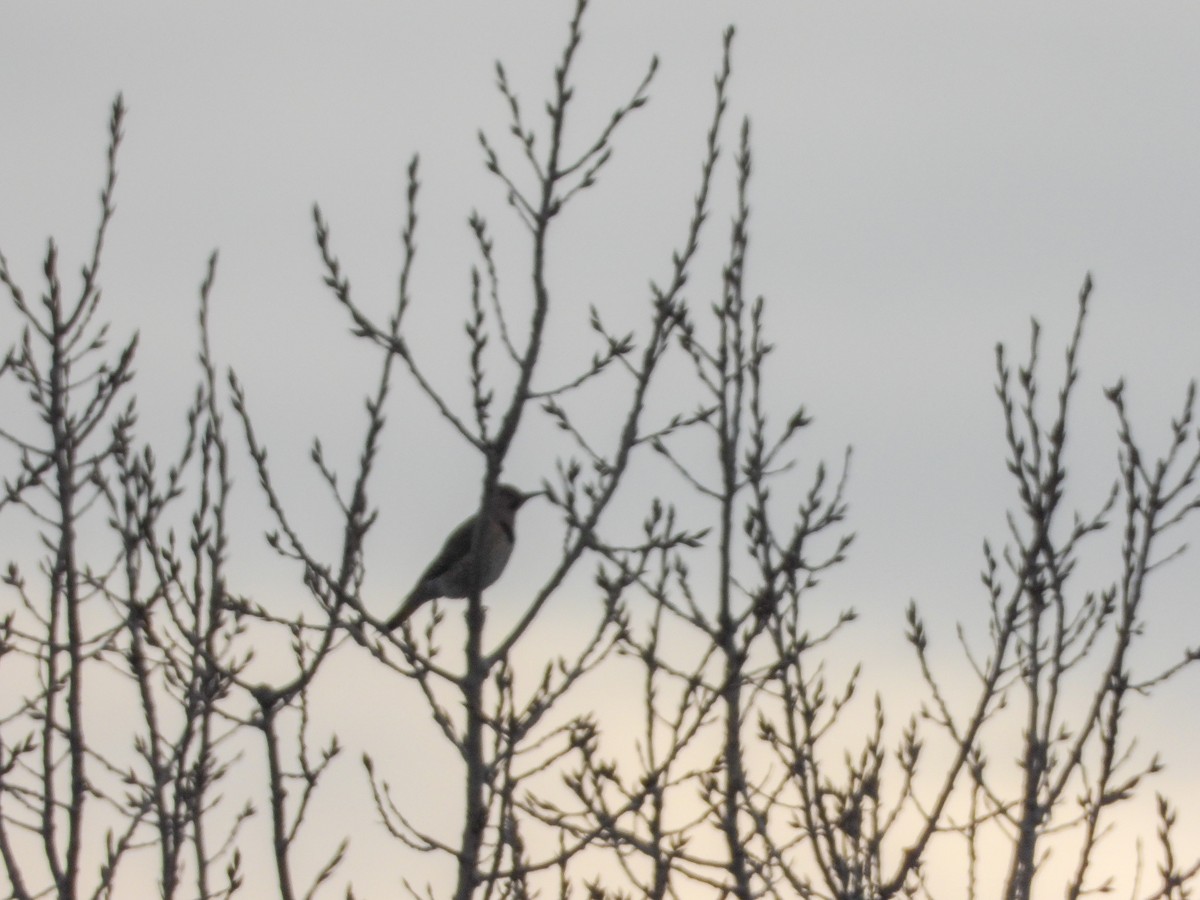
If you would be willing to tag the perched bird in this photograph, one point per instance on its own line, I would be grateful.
(450, 573)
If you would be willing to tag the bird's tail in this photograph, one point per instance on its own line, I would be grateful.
(411, 604)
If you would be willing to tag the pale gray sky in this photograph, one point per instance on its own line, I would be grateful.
(928, 176)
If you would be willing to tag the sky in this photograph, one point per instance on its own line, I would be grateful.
(928, 177)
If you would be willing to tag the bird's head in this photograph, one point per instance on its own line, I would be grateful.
(509, 499)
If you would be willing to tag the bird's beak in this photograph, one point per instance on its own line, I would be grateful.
(525, 498)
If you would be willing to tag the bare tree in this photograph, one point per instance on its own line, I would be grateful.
(737, 783)
(1061, 655)
(138, 608)
(508, 740)
(57, 791)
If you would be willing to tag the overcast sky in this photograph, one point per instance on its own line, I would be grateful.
(927, 177)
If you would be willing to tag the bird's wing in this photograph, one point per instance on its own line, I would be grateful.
(457, 546)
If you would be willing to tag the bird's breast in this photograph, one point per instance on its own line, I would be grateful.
(494, 561)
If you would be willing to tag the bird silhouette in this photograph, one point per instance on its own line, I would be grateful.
(452, 570)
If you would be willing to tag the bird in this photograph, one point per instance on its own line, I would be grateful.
(452, 570)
